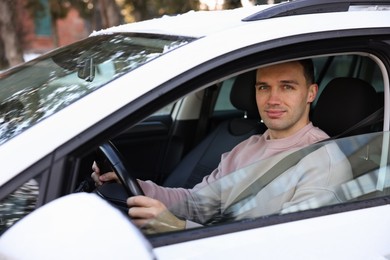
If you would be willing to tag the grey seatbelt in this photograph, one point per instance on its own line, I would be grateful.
(373, 118)
(293, 158)
(282, 166)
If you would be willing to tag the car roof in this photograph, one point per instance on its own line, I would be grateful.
(191, 24)
(202, 23)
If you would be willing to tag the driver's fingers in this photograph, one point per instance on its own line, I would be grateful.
(96, 174)
(100, 179)
(95, 168)
(95, 178)
(144, 207)
(109, 176)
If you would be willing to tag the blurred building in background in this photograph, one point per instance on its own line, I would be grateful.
(38, 31)
(43, 25)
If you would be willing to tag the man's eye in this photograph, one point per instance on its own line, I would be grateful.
(288, 87)
(262, 87)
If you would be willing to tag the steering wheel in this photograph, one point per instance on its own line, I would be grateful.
(114, 192)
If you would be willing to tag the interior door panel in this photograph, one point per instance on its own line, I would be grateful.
(155, 146)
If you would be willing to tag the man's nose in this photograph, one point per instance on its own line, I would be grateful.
(274, 96)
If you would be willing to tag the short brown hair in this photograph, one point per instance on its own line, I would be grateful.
(308, 70)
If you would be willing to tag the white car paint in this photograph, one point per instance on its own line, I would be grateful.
(359, 235)
(22, 151)
(193, 24)
(92, 229)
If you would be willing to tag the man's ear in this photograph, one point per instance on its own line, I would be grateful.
(313, 90)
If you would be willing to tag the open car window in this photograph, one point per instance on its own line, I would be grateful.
(340, 171)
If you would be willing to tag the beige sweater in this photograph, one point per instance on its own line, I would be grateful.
(310, 183)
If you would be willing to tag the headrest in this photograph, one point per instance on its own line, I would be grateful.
(343, 103)
(243, 94)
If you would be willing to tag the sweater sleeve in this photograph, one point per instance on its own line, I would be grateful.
(196, 205)
(168, 196)
(184, 202)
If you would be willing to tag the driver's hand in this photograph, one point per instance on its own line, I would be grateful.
(100, 178)
(152, 216)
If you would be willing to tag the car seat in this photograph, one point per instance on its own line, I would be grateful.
(204, 158)
(343, 103)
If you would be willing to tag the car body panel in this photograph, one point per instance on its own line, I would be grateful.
(54, 148)
(53, 127)
(192, 24)
(205, 23)
(44, 225)
(360, 234)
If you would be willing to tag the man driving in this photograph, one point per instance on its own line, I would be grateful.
(284, 93)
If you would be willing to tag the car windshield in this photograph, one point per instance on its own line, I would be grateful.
(38, 89)
(327, 173)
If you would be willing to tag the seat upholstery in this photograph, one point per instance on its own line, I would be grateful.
(343, 103)
(243, 94)
(204, 158)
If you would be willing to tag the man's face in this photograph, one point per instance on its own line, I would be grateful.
(283, 98)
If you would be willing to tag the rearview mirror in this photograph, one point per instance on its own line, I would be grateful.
(86, 69)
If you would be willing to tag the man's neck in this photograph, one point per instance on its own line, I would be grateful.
(279, 134)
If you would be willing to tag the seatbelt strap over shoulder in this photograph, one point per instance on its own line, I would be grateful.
(293, 158)
(282, 166)
(373, 118)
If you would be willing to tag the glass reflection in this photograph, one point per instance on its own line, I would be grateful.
(39, 88)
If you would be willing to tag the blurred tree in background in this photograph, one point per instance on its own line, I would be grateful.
(98, 14)
(10, 35)
(230, 4)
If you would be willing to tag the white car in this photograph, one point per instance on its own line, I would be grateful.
(172, 95)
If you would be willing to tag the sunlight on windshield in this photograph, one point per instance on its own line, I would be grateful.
(36, 90)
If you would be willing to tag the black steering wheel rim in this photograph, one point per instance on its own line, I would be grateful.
(119, 166)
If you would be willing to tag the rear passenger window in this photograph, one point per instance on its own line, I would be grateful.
(18, 204)
(167, 110)
(223, 100)
(356, 66)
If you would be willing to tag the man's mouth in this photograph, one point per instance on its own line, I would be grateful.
(275, 113)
